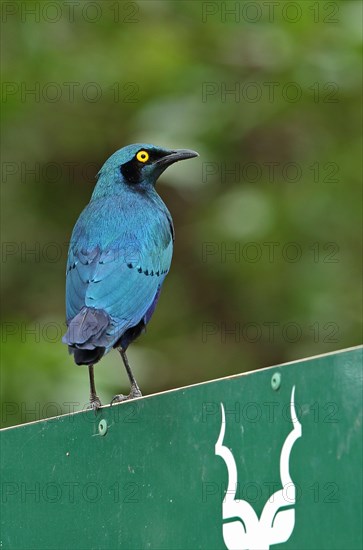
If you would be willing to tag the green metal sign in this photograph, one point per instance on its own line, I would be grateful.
(267, 459)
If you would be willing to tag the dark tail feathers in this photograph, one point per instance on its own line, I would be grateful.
(86, 356)
(87, 335)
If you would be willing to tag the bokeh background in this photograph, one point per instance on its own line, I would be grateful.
(267, 262)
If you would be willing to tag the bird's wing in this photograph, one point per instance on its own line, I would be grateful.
(122, 277)
(81, 266)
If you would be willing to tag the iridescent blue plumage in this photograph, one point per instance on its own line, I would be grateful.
(120, 252)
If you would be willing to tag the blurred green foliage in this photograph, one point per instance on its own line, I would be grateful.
(167, 73)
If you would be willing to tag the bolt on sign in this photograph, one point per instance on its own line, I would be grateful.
(267, 459)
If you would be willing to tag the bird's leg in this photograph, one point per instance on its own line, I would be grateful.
(95, 402)
(135, 390)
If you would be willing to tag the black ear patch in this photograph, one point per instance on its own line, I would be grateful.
(131, 171)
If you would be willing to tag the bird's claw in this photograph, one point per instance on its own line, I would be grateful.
(135, 392)
(95, 404)
(119, 398)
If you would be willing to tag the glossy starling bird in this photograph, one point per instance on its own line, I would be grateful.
(119, 255)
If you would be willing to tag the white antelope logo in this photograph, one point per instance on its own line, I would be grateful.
(242, 530)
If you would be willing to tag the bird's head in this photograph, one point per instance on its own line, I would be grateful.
(138, 166)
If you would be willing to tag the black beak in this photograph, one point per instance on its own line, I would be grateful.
(175, 156)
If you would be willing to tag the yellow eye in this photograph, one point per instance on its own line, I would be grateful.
(142, 156)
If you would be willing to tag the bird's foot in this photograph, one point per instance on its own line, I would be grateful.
(94, 403)
(134, 392)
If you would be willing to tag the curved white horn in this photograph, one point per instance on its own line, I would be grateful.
(289, 442)
(228, 458)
